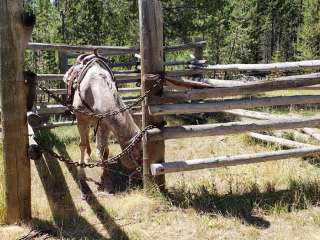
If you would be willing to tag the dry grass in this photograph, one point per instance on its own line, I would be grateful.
(273, 200)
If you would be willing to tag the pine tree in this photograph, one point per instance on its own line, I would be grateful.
(309, 35)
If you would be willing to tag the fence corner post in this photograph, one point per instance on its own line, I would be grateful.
(151, 51)
(16, 178)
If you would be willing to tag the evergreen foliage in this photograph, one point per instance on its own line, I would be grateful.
(236, 31)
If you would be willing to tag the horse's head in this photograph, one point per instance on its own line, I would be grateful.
(133, 159)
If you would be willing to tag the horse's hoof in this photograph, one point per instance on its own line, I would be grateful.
(106, 189)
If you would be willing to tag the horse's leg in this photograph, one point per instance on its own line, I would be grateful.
(103, 153)
(85, 151)
(84, 129)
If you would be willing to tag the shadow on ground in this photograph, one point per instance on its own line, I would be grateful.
(206, 200)
(67, 222)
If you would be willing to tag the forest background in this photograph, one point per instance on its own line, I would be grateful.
(236, 31)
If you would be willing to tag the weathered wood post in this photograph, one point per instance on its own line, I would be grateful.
(198, 51)
(63, 68)
(15, 31)
(63, 62)
(151, 51)
(198, 54)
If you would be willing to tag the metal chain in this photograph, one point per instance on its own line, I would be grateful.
(111, 161)
(101, 115)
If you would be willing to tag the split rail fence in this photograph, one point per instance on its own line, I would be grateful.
(224, 96)
(229, 96)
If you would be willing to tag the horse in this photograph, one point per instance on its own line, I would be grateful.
(95, 92)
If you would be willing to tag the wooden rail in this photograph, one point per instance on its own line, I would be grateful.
(124, 76)
(220, 105)
(214, 162)
(284, 66)
(120, 90)
(239, 88)
(59, 109)
(107, 50)
(55, 124)
(119, 77)
(229, 128)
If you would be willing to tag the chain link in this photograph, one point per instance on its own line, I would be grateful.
(104, 163)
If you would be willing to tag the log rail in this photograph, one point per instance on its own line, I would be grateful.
(108, 50)
(282, 66)
(188, 131)
(224, 161)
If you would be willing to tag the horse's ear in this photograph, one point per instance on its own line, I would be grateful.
(96, 53)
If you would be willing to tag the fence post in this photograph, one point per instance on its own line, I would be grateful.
(198, 54)
(15, 31)
(63, 68)
(63, 62)
(198, 51)
(151, 51)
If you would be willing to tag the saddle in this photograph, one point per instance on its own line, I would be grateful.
(72, 76)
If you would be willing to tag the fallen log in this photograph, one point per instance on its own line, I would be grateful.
(253, 114)
(279, 141)
(315, 133)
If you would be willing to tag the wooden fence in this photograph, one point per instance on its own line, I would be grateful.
(236, 95)
(223, 96)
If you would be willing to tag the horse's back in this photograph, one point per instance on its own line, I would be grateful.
(98, 91)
